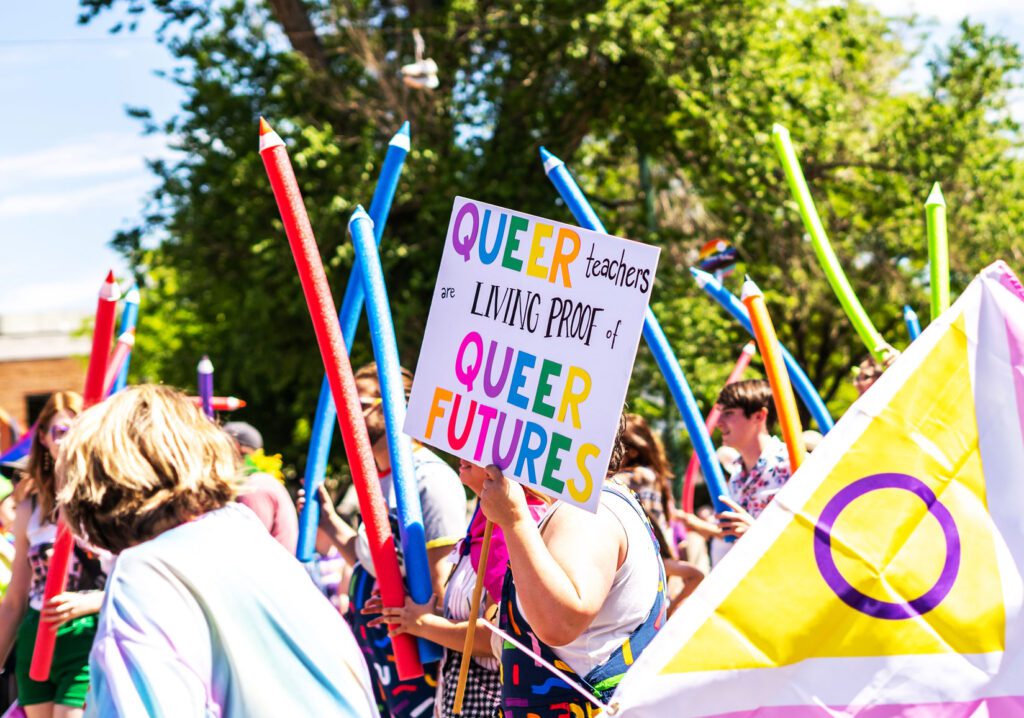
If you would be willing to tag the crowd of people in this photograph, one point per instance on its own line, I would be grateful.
(184, 596)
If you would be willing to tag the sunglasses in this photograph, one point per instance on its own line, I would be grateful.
(57, 432)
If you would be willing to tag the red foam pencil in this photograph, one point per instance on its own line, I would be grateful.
(221, 403)
(122, 349)
(102, 336)
(343, 388)
(60, 560)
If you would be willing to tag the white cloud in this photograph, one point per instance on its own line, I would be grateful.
(51, 296)
(74, 199)
(96, 156)
(951, 11)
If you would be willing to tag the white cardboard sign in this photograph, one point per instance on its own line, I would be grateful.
(529, 346)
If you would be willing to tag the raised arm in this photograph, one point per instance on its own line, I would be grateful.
(563, 576)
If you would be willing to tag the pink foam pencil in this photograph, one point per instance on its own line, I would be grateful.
(689, 479)
(122, 349)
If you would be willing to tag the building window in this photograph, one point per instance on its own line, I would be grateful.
(34, 404)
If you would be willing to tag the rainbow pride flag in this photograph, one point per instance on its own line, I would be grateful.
(886, 578)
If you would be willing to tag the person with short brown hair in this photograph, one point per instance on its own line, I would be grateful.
(748, 411)
(204, 612)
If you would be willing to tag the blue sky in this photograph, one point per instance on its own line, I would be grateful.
(72, 166)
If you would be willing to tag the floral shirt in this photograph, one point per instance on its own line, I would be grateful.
(754, 488)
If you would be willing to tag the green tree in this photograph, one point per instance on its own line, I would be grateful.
(690, 89)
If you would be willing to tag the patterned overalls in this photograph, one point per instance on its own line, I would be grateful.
(413, 698)
(531, 691)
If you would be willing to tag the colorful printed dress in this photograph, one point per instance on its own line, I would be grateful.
(531, 691)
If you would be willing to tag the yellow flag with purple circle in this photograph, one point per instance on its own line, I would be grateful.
(886, 578)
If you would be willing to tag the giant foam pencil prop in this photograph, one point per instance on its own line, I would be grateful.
(204, 380)
(690, 478)
(129, 318)
(220, 403)
(938, 250)
(392, 391)
(122, 350)
(730, 303)
(343, 387)
(348, 317)
(60, 560)
(782, 390)
(653, 335)
(912, 322)
(823, 248)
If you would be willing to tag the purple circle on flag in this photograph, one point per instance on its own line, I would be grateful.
(850, 595)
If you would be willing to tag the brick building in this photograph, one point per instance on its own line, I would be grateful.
(39, 354)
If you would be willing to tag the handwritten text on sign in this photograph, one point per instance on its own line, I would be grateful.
(529, 346)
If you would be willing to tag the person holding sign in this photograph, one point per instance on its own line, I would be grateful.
(585, 590)
(524, 367)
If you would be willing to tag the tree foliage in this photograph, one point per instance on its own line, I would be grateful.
(690, 88)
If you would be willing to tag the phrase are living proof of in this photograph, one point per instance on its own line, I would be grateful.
(529, 346)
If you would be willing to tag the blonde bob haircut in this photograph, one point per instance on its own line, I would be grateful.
(144, 461)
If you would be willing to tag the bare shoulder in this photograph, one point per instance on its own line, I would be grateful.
(574, 521)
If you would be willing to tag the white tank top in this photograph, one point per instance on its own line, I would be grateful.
(632, 594)
(41, 536)
(458, 596)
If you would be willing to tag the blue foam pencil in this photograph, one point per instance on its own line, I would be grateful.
(577, 203)
(392, 391)
(912, 322)
(325, 420)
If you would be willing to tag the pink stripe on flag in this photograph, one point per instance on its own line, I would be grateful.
(1015, 338)
(1005, 707)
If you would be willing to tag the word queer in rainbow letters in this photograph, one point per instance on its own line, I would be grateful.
(529, 346)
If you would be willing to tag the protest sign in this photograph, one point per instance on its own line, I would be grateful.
(529, 346)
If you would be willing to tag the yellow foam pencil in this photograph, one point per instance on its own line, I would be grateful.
(778, 377)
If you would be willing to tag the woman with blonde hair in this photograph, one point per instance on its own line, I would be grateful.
(73, 612)
(205, 613)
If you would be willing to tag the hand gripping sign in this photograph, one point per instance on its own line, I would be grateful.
(529, 345)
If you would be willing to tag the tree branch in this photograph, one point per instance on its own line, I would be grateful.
(298, 28)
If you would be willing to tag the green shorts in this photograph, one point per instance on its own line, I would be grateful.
(69, 676)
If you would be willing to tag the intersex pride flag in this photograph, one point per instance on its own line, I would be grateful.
(885, 579)
(529, 346)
